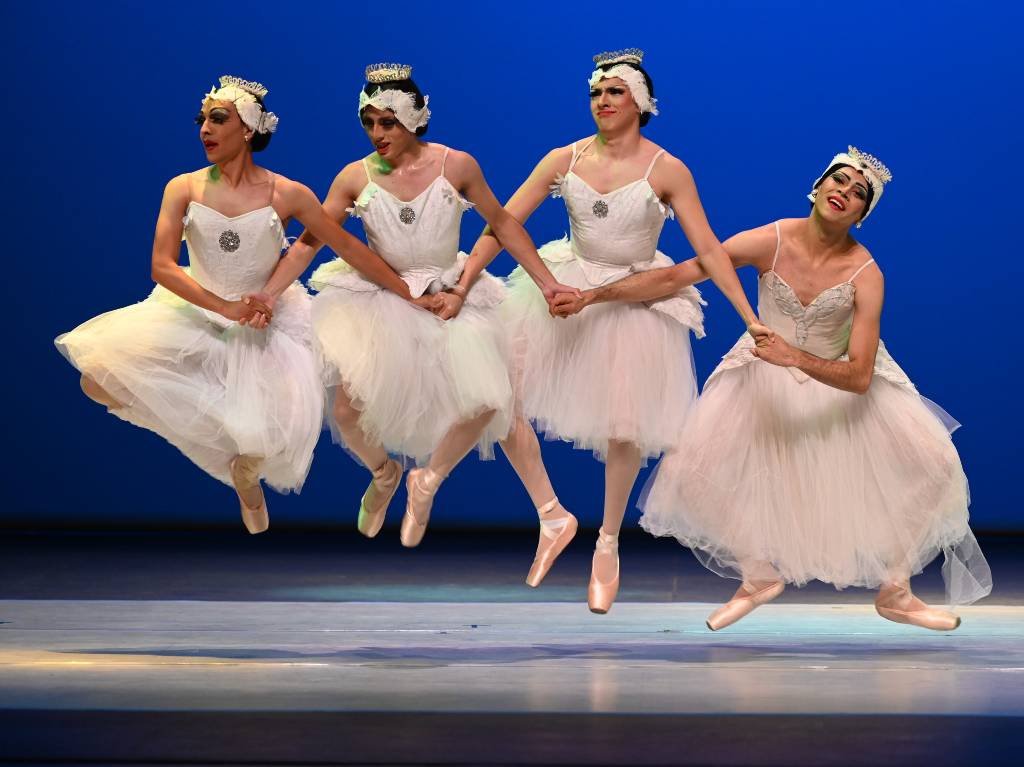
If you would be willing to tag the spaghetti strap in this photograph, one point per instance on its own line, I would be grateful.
(273, 180)
(577, 153)
(654, 159)
(444, 158)
(778, 246)
(864, 266)
(366, 170)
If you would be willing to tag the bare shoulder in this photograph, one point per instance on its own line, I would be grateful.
(352, 177)
(669, 163)
(872, 272)
(753, 246)
(293, 194)
(460, 162)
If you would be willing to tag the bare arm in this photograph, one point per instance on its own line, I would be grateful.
(853, 375)
(302, 204)
(167, 250)
(680, 191)
(505, 225)
(750, 248)
(301, 253)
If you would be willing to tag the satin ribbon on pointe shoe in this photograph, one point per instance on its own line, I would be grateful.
(600, 596)
(926, 617)
(555, 535)
(374, 505)
(421, 486)
(746, 599)
(245, 473)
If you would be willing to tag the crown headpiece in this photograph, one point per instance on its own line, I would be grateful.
(872, 164)
(625, 56)
(874, 170)
(249, 86)
(387, 72)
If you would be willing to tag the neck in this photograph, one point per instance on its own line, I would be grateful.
(822, 236)
(621, 143)
(406, 159)
(234, 170)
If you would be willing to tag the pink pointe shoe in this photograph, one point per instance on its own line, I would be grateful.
(896, 603)
(421, 485)
(744, 601)
(374, 505)
(600, 596)
(245, 474)
(555, 535)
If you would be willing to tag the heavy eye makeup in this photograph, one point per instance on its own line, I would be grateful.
(615, 90)
(841, 178)
(386, 123)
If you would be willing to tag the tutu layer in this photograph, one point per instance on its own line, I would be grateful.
(787, 475)
(412, 375)
(212, 388)
(615, 371)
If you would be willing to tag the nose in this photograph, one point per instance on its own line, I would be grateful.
(377, 133)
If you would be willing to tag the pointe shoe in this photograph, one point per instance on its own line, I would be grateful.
(421, 485)
(926, 617)
(245, 475)
(555, 535)
(600, 596)
(374, 505)
(744, 601)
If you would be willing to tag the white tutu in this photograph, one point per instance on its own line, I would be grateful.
(412, 375)
(621, 371)
(774, 469)
(210, 387)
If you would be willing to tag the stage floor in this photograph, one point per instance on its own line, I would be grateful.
(283, 664)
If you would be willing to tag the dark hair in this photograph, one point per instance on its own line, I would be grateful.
(406, 86)
(259, 141)
(871, 190)
(645, 117)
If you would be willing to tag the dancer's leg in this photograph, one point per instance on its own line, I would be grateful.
(422, 484)
(97, 393)
(245, 476)
(557, 526)
(386, 473)
(621, 469)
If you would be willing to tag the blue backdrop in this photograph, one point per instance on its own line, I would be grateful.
(755, 97)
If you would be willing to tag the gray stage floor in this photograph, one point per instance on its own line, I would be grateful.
(299, 670)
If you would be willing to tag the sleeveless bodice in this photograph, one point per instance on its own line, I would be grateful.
(612, 234)
(419, 239)
(232, 255)
(822, 327)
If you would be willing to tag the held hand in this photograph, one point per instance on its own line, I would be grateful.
(566, 304)
(554, 289)
(759, 331)
(450, 305)
(428, 302)
(775, 351)
(245, 310)
(261, 319)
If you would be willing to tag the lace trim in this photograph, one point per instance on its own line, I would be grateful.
(824, 305)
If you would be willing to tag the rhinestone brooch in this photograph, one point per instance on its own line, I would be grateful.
(229, 241)
(407, 215)
(600, 209)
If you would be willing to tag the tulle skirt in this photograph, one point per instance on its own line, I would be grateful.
(615, 371)
(411, 374)
(774, 477)
(212, 388)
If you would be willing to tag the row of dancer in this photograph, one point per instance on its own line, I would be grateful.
(810, 454)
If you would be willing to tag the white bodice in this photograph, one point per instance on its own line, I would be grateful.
(418, 238)
(822, 327)
(616, 233)
(232, 255)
